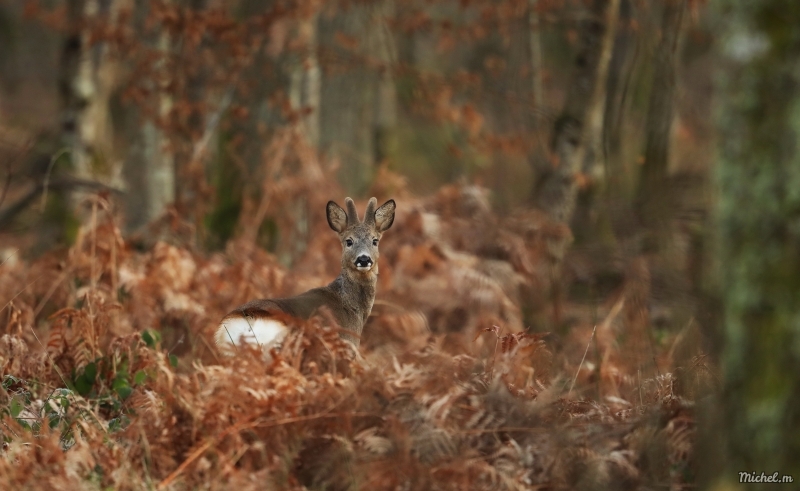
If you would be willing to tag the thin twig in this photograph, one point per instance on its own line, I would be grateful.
(233, 342)
(212, 350)
(93, 273)
(177, 343)
(51, 291)
(639, 378)
(211, 124)
(582, 360)
(46, 183)
(540, 429)
(9, 257)
(20, 292)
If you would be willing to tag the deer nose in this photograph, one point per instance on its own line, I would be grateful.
(363, 261)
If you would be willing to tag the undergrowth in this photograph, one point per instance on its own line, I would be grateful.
(109, 380)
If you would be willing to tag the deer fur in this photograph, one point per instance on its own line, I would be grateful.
(349, 297)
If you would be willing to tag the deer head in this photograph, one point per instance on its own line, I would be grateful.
(359, 238)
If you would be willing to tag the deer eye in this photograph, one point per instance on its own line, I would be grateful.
(375, 242)
(349, 242)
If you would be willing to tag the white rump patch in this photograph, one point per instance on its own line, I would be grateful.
(238, 331)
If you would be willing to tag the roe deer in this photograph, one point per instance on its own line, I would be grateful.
(349, 297)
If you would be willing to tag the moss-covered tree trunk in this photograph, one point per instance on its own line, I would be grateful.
(759, 213)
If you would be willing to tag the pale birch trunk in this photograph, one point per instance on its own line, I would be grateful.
(87, 82)
(158, 161)
(305, 80)
(149, 166)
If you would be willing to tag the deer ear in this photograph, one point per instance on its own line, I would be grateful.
(384, 216)
(337, 218)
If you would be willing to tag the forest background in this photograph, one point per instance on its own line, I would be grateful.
(592, 281)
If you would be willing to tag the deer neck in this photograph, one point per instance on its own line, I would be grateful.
(356, 290)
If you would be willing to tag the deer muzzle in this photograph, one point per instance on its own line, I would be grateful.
(364, 262)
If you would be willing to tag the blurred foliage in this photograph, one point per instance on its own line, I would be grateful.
(164, 161)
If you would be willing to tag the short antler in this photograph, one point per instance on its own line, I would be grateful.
(369, 217)
(352, 213)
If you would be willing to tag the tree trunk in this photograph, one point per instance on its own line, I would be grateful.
(86, 82)
(305, 80)
(537, 67)
(623, 59)
(191, 196)
(148, 165)
(759, 210)
(357, 97)
(577, 131)
(653, 197)
(384, 50)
